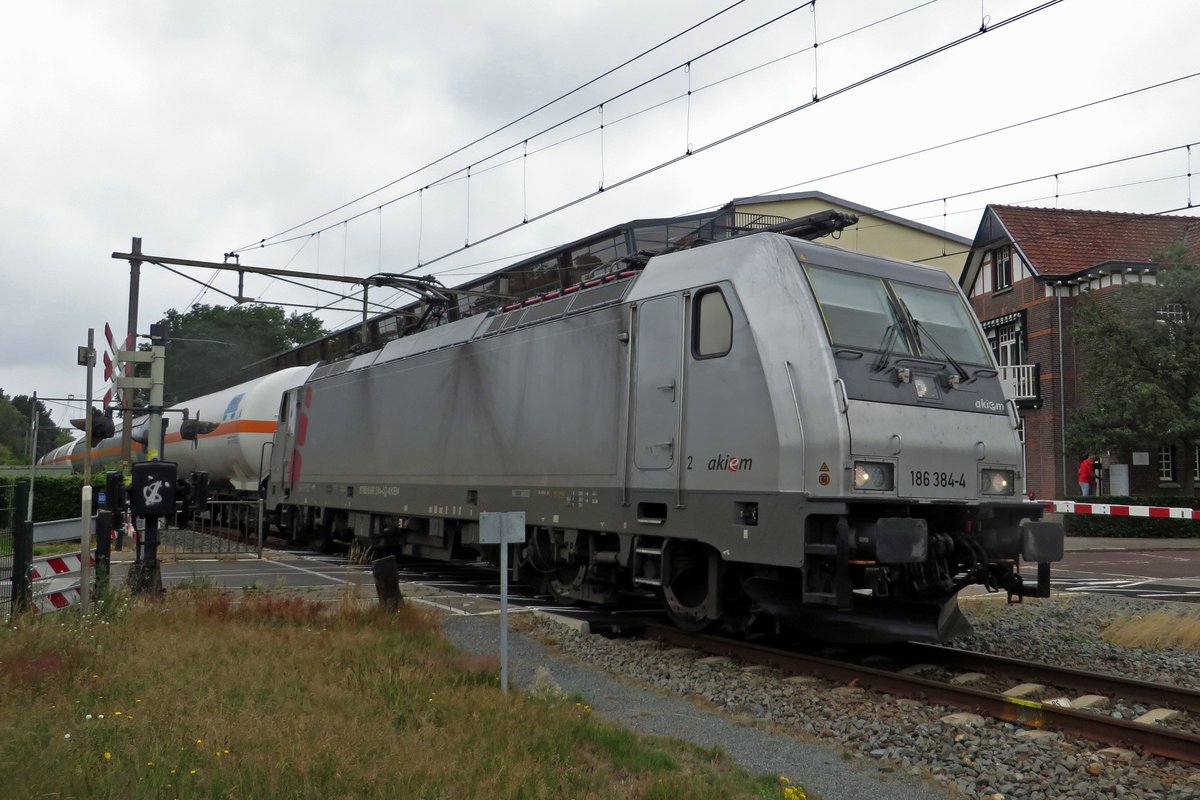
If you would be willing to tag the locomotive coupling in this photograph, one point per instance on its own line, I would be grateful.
(894, 540)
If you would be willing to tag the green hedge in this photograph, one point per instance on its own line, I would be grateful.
(57, 496)
(1145, 527)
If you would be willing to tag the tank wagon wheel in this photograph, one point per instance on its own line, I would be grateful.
(685, 589)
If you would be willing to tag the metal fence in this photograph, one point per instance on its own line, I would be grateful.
(227, 527)
(7, 527)
(16, 547)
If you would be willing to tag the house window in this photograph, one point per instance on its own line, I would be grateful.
(1175, 317)
(1173, 313)
(1166, 464)
(1002, 272)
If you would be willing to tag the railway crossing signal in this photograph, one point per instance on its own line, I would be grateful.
(102, 426)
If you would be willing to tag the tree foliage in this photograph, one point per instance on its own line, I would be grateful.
(211, 345)
(1142, 345)
(14, 429)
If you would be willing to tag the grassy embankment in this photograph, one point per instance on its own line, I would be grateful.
(1157, 629)
(198, 696)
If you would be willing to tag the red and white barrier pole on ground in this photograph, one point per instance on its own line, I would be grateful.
(1115, 510)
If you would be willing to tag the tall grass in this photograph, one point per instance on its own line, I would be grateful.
(205, 695)
(1158, 629)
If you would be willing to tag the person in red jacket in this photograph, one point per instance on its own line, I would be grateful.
(1087, 474)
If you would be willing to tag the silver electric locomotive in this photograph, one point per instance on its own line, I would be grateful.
(759, 428)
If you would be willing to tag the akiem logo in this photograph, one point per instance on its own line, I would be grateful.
(724, 463)
(989, 405)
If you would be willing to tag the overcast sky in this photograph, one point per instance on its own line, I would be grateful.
(205, 127)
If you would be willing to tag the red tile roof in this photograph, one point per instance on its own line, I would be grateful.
(1065, 241)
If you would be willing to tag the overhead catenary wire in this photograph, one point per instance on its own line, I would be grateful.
(746, 130)
(267, 241)
(946, 253)
(508, 125)
(1008, 184)
(457, 174)
(1040, 177)
(763, 123)
(993, 131)
(337, 295)
(982, 134)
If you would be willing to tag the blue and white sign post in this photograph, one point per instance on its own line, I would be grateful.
(502, 528)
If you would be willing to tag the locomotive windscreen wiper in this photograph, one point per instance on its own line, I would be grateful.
(926, 334)
(886, 346)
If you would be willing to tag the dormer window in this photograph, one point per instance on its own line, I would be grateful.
(1002, 272)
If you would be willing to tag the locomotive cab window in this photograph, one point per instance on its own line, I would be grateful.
(874, 313)
(712, 325)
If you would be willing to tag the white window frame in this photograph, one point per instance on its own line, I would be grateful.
(1007, 345)
(1166, 464)
(997, 273)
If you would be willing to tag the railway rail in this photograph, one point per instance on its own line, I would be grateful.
(1179, 745)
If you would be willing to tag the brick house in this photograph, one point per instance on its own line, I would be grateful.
(1026, 271)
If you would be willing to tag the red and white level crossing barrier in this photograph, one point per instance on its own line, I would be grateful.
(55, 601)
(1116, 510)
(57, 581)
(57, 565)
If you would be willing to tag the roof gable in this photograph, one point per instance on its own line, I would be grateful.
(1065, 241)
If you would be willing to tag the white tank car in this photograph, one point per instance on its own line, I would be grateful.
(233, 454)
(245, 415)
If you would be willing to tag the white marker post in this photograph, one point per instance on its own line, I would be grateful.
(502, 528)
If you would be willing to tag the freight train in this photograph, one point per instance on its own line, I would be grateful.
(760, 430)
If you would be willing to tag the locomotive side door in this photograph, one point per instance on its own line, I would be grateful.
(283, 454)
(656, 395)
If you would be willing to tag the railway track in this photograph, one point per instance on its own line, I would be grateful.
(1169, 742)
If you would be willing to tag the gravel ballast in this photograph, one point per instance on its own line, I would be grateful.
(845, 742)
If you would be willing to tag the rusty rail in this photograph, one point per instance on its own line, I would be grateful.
(1096, 682)
(1177, 745)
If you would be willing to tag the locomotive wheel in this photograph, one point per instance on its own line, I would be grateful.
(685, 591)
(559, 581)
(553, 577)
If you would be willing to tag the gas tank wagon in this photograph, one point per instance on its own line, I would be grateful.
(763, 430)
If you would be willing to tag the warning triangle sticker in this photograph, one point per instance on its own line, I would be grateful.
(824, 467)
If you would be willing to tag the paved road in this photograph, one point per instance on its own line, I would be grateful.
(1168, 574)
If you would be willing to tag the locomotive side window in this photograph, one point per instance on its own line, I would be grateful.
(712, 325)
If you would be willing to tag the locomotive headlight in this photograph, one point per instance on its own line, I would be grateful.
(926, 386)
(875, 475)
(998, 481)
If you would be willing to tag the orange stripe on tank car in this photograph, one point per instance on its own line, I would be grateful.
(224, 429)
(232, 427)
(108, 451)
